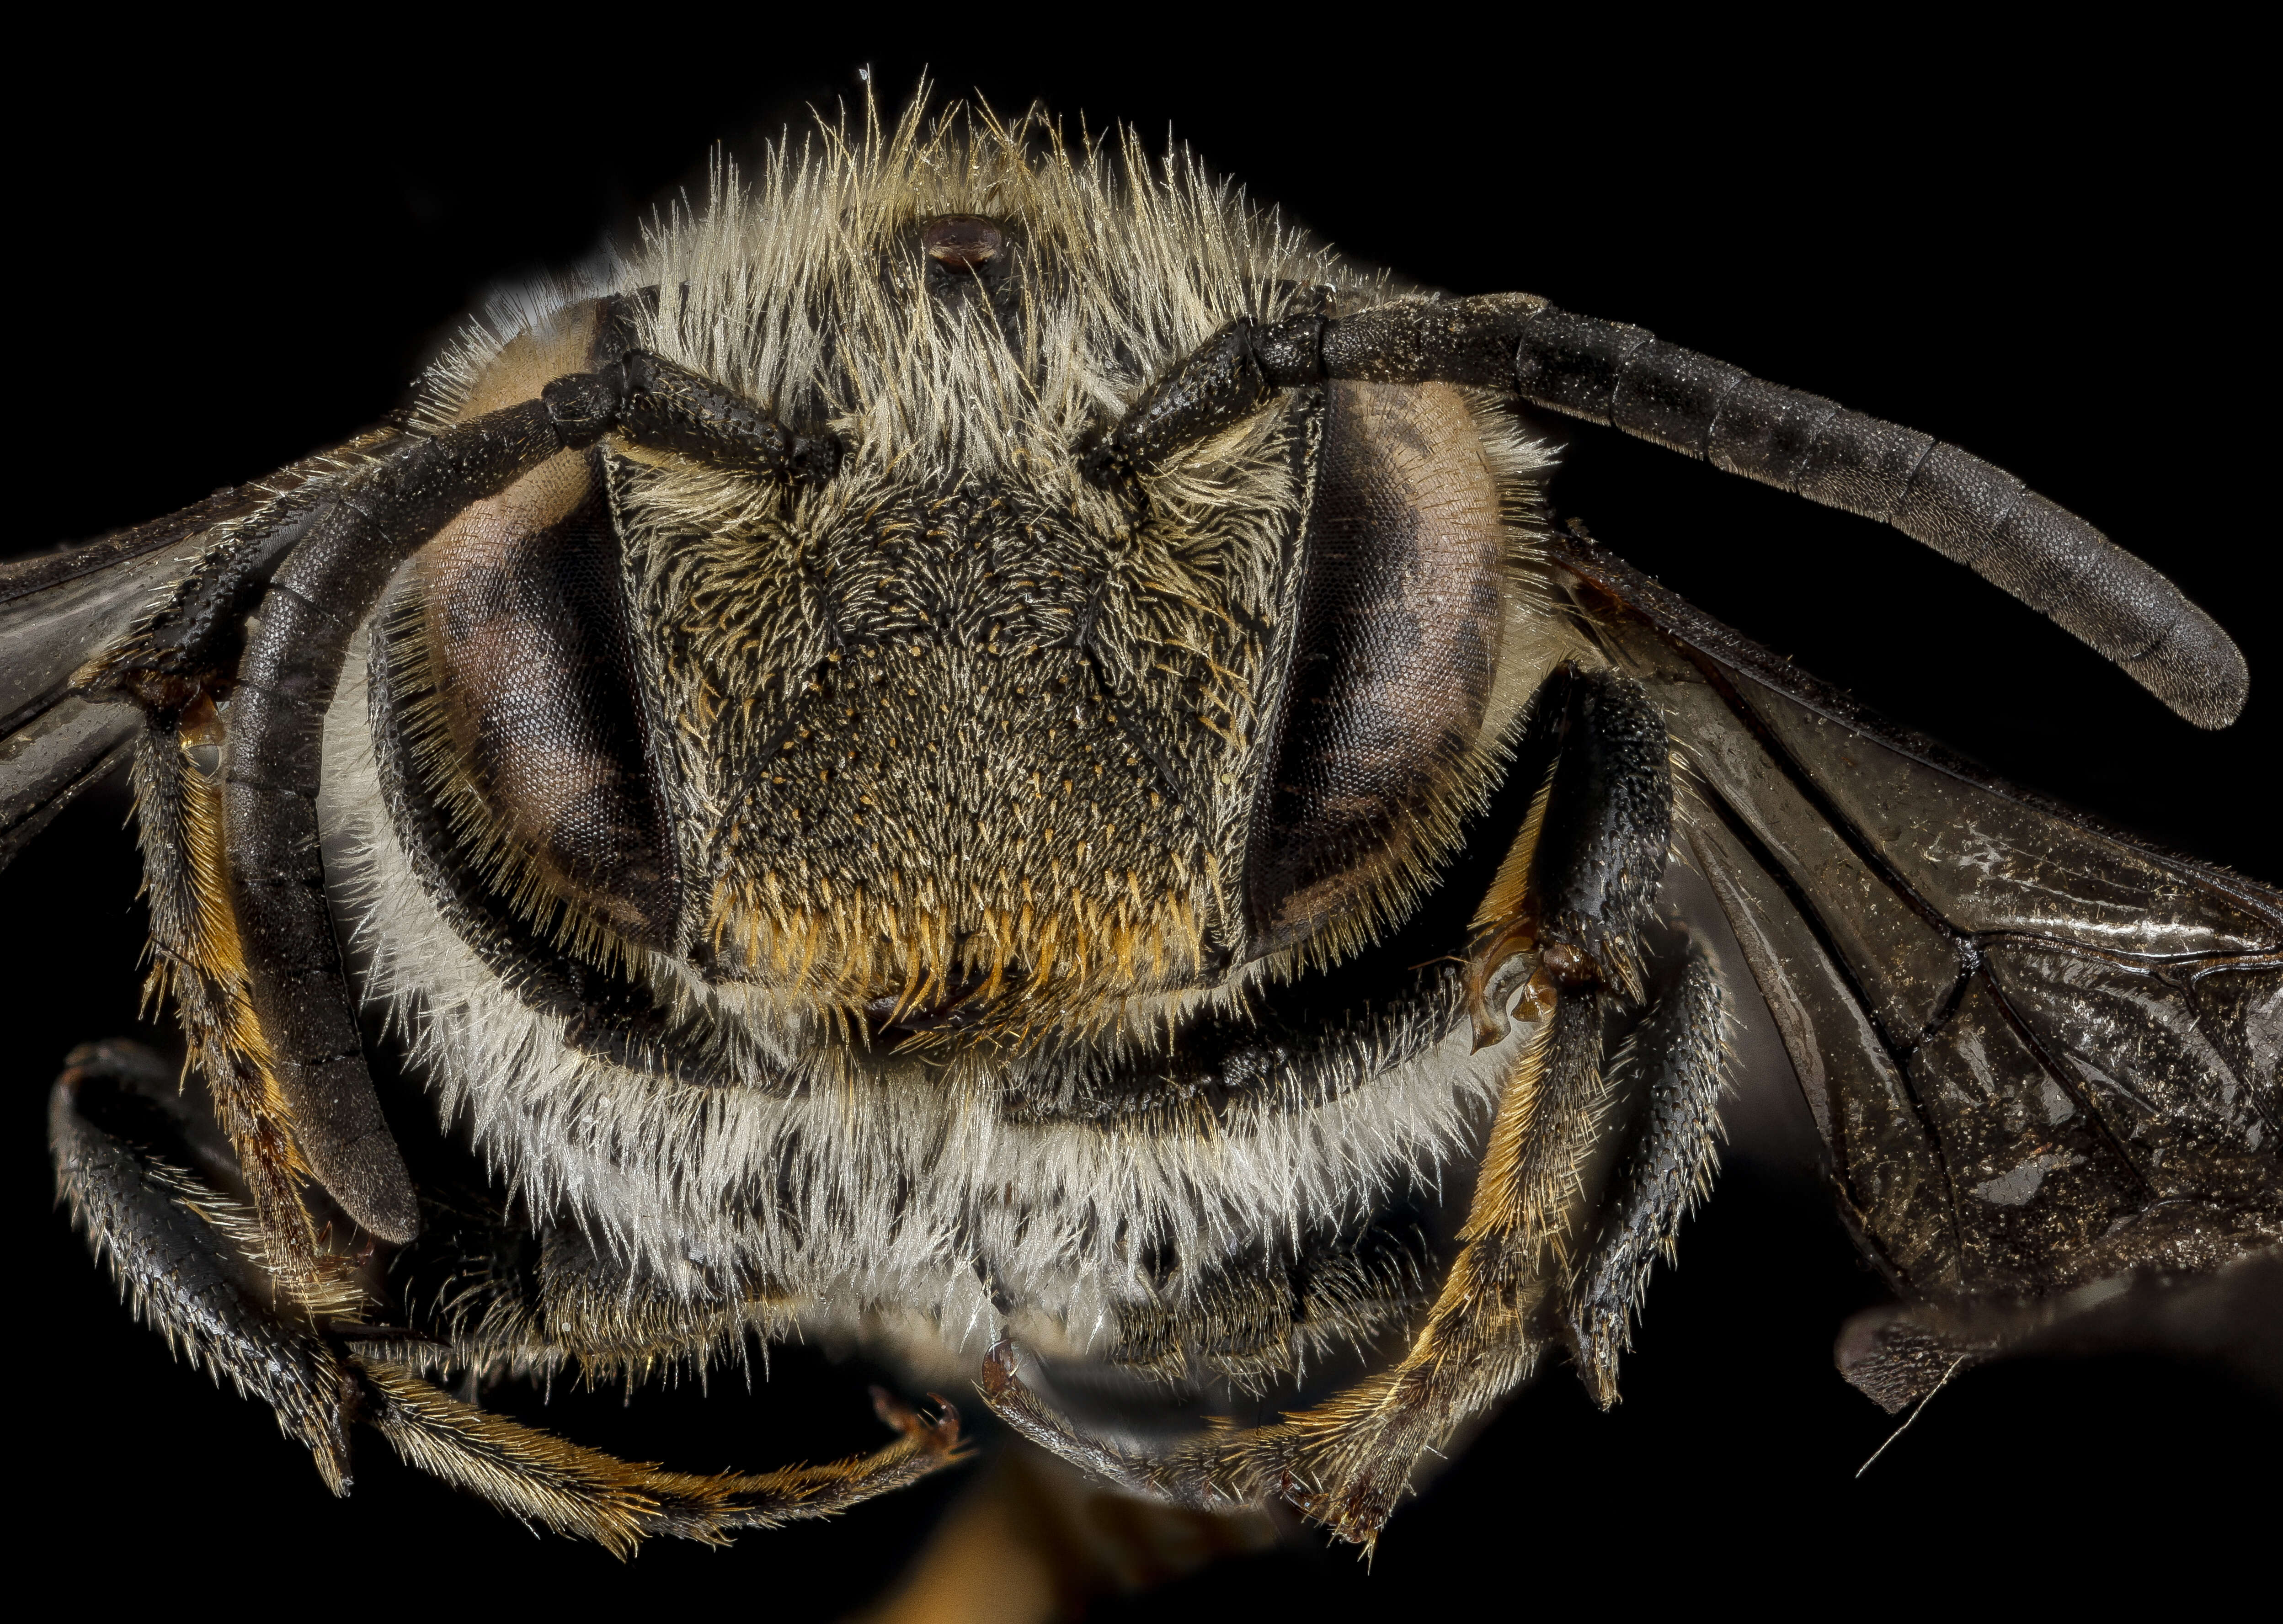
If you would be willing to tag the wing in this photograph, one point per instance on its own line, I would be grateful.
(57, 609)
(2041, 1054)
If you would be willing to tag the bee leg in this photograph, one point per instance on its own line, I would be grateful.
(1254, 1317)
(1579, 881)
(149, 1182)
(539, 1478)
(185, 1251)
(484, 1297)
(197, 960)
(1674, 1058)
(1594, 857)
(1347, 1461)
(272, 757)
(484, 1300)
(1605, 832)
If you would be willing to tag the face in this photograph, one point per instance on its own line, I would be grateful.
(957, 750)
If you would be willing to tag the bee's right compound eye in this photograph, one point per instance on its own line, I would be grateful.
(506, 663)
(1389, 667)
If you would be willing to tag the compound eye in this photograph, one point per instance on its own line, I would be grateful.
(1395, 649)
(516, 686)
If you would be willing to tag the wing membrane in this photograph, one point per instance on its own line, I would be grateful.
(2040, 1053)
(57, 609)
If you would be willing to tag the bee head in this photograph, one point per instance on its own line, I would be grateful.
(959, 738)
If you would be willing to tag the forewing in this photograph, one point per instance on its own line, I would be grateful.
(2040, 1053)
(57, 609)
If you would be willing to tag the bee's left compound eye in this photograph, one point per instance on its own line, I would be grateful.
(1390, 666)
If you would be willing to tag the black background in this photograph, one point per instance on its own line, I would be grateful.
(2040, 250)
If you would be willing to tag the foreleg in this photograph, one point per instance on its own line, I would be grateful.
(198, 957)
(1674, 1058)
(1345, 1462)
(1577, 890)
(235, 856)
